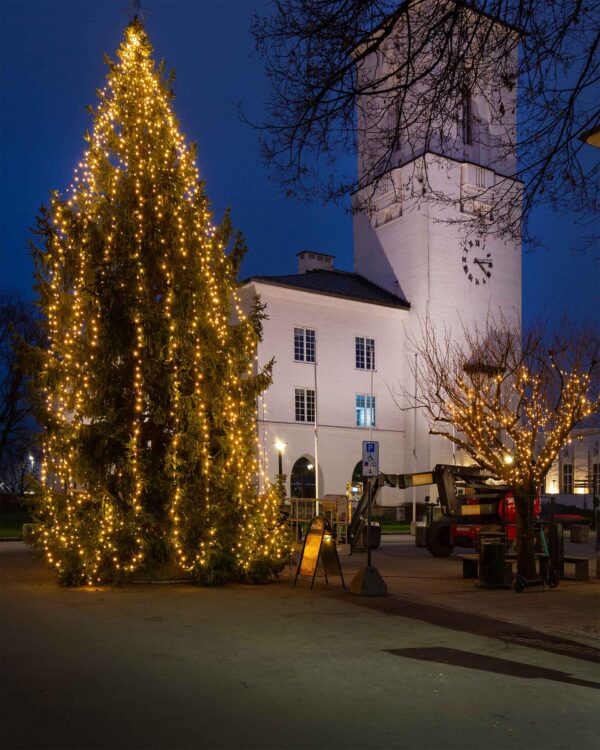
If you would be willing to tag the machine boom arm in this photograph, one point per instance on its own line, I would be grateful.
(453, 483)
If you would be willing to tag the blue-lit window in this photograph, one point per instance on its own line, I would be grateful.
(365, 353)
(365, 410)
(304, 345)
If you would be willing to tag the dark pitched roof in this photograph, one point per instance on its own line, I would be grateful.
(336, 284)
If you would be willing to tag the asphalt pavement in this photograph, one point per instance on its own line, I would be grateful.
(437, 664)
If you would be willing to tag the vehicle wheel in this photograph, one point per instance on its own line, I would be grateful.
(437, 539)
(519, 584)
(552, 578)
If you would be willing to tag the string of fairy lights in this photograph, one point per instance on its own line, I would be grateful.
(512, 425)
(135, 233)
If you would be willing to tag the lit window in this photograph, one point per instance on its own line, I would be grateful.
(304, 345)
(365, 410)
(567, 479)
(305, 405)
(365, 353)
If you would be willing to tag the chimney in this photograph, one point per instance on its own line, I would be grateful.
(309, 261)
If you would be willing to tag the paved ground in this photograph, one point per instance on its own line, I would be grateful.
(411, 573)
(432, 666)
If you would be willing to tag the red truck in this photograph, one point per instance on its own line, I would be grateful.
(462, 529)
(471, 500)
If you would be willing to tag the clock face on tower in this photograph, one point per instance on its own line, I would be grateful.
(476, 262)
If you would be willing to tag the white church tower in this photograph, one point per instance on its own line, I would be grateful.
(414, 232)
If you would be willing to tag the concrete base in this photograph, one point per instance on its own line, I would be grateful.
(368, 582)
(580, 534)
(421, 535)
(29, 530)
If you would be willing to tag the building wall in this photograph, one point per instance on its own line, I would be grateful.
(411, 224)
(337, 322)
(492, 105)
(582, 453)
(420, 254)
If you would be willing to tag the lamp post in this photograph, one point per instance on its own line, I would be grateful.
(280, 448)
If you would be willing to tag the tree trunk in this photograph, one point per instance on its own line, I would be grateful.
(524, 502)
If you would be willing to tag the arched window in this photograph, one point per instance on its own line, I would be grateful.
(356, 482)
(302, 480)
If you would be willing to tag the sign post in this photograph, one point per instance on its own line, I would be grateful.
(368, 582)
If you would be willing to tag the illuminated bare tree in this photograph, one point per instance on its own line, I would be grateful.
(20, 329)
(436, 77)
(510, 402)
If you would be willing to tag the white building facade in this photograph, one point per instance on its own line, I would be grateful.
(574, 478)
(342, 341)
(338, 348)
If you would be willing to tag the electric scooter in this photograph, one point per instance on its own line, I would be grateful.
(550, 576)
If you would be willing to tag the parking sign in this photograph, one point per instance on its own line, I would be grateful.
(370, 458)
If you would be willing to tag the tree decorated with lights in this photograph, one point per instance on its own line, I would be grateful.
(149, 377)
(510, 402)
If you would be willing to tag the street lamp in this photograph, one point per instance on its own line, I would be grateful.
(280, 448)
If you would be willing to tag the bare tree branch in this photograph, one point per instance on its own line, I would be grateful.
(393, 80)
(19, 329)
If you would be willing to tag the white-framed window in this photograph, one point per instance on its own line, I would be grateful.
(567, 479)
(304, 345)
(365, 353)
(365, 410)
(304, 404)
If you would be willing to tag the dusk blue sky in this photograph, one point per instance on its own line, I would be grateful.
(52, 64)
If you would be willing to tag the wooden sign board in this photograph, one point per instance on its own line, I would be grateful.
(319, 547)
(312, 547)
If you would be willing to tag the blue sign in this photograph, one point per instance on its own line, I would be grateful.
(370, 458)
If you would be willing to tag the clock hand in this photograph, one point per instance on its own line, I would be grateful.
(481, 265)
(482, 261)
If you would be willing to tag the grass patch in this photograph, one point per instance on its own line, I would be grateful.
(395, 528)
(11, 523)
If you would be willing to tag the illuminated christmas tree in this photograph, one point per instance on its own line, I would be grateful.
(149, 380)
